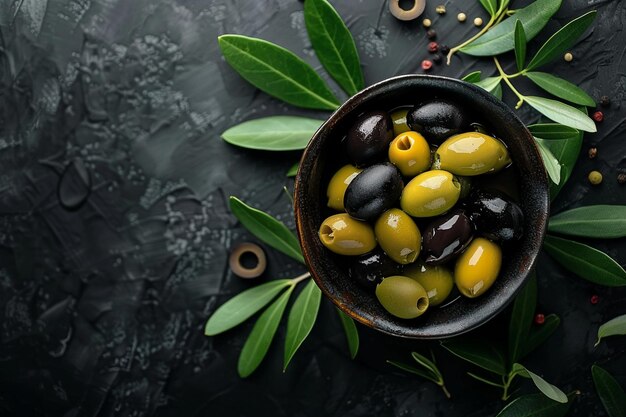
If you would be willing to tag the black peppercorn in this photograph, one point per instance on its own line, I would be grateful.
(444, 49)
(431, 34)
(605, 101)
(437, 59)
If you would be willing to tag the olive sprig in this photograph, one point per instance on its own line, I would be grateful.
(276, 293)
(429, 370)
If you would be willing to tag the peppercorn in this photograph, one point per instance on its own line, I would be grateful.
(426, 23)
(598, 116)
(431, 34)
(595, 177)
(461, 17)
(593, 152)
(427, 65)
(441, 9)
(605, 101)
(594, 299)
(444, 49)
(478, 21)
(433, 47)
(437, 59)
(621, 178)
(540, 318)
(568, 57)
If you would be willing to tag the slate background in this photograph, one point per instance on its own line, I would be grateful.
(115, 232)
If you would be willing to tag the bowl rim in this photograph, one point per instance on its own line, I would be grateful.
(347, 107)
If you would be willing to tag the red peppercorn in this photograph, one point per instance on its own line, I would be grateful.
(598, 116)
(594, 299)
(427, 65)
(433, 47)
(540, 318)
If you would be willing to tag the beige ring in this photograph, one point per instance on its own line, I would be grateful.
(401, 14)
(236, 265)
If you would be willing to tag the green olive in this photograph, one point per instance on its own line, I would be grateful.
(436, 279)
(399, 121)
(477, 268)
(398, 236)
(430, 194)
(410, 152)
(346, 236)
(471, 153)
(402, 296)
(338, 185)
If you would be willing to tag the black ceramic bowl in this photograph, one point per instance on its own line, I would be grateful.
(323, 156)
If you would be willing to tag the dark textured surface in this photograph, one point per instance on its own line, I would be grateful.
(317, 166)
(114, 228)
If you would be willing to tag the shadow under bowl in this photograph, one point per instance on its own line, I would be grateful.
(325, 154)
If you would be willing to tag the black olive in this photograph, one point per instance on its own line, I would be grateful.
(374, 190)
(369, 270)
(494, 215)
(446, 236)
(368, 139)
(437, 120)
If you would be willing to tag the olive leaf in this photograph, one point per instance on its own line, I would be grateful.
(352, 334)
(585, 261)
(539, 334)
(276, 133)
(613, 327)
(552, 131)
(534, 405)
(498, 91)
(293, 171)
(261, 336)
(267, 229)
(500, 38)
(601, 221)
(491, 6)
(611, 394)
(241, 307)
(333, 45)
(413, 370)
(561, 88)
(562, 40)
(472, 77)
(522, 319)
(301, 319)
(520, 45)
(489, 84)
(480, 353)
(550, 162)
(549, 390)
(561, 113)
(429, 372)
(277, 71)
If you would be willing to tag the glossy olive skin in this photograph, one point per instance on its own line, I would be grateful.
(495, 215)
(398, 235)
(437, 120)
(472, 153)
(430, 194)
(338, 184)
(410, 152)
(477, 268)
(369, 270)
(369, 138)
(446, 237)
(346, 236)
(398, 117)
(402, 297)
(437, 280)
(373, 191)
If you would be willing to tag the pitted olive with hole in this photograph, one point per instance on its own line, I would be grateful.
(436, 279)
(376, 189)
(369, 138)
(398, 118)
(410, 152)
(338, 184)
(478, 267)
(446, 236)
(437, 120)
(398, 235)
(495, 215)
(369, 270)
(346, 236)
(402, 297)
(471, 153)
(430, 194)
